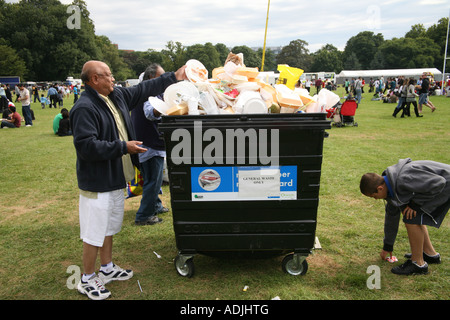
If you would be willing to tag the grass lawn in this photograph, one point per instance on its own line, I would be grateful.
(39, 230)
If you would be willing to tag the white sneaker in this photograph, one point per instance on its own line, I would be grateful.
(94, 288)
(117, 273)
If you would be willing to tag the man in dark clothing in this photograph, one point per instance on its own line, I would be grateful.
(52, 94)
(145, 122)
(318, 85)
(106, 148)
(423, 91)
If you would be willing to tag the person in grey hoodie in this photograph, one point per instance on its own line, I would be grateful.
(420, 190)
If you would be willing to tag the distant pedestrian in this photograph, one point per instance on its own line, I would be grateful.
(318, 85)
(24, 98)
(52, 94)
(8, 92)
(411, 98)
(36, 94)
(308, 85)
(423, 89)
(358, 90)
(75, 94)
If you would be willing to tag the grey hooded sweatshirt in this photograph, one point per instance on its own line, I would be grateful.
(423, 185)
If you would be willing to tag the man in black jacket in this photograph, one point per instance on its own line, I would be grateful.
(145, 122)
(423, 90)
(106, 148)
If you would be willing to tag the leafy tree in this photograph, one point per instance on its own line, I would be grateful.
(223, 52)
(68, 64)
(153, 56)
(270, 59)
(134, 61)
(438, 33)
(296, 55)
(10, 63)
(110, 55)
(37, 30)
(174, 56)
(364, 45)
(352, 62)
(417, 30)
(138, 61)
(378, 61)
(401, 53)
(328, 58)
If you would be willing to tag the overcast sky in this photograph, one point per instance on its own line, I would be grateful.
(149, 24)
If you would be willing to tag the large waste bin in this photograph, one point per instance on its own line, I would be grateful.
(245, 184)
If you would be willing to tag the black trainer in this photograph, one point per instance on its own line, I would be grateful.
(429, 259)
(410, 268)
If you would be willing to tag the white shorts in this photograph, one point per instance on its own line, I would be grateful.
(101, 215)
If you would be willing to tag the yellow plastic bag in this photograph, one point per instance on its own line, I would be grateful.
(289, 75)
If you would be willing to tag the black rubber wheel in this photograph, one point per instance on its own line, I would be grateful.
(290, 267)
(185, 269)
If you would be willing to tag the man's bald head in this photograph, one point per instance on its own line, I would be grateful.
(98, 75)
(90, 68)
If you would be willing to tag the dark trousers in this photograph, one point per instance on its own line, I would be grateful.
(400, 107)
(152, 173)
(26, 112)
(53, 100)
(7, 124)
(408, 108)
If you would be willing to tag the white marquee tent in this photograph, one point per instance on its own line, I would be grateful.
(367, 74)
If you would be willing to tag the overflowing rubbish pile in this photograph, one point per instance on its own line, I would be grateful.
(237, 89)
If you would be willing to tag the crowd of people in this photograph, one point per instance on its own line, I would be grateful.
(405, 92)
(318, 83)
(9, 116)
(56, 94)
(25, 94)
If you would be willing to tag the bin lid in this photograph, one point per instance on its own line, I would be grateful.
(280, 120)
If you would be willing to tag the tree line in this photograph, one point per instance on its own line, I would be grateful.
(37, 45)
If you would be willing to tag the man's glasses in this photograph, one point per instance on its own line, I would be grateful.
(106, 75)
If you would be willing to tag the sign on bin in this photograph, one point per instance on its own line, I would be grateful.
(243, 183)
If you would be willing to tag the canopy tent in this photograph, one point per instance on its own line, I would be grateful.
(367, 74)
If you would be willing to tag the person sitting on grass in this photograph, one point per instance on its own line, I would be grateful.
(420, 190)
(14, 119)
(64, 124)
(57, 120)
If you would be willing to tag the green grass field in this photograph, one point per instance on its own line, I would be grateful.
(39, 231)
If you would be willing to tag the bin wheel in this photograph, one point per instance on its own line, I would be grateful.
(295, 264)
(184, 266)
